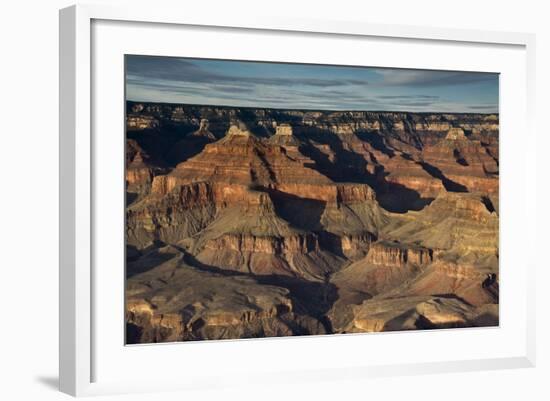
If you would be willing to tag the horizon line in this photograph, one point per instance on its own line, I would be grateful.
(308, 109)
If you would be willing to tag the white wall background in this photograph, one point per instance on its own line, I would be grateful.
(29, 197)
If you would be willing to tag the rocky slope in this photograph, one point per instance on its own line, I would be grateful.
(258, 222)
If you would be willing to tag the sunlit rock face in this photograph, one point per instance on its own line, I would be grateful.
(255, 222)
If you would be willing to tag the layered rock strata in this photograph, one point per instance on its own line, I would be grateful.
(255, 222)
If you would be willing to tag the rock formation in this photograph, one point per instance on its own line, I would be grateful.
(257, 222)
(174, 301)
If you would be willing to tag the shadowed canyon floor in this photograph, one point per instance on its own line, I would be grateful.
(244, 223)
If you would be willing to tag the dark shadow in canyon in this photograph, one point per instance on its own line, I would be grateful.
(133, 333)
(449, 184)
(459, 158)
(185, 149)
(131, 197)
(397, 198)
(347, 166)
(352, 167)
(331, 242)
(488, 204)
(302, 213)
(141, 261)
(376, 141)
(490, 153)
(169, 146)
(312, 298)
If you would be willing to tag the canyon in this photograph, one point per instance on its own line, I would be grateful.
(246, 223)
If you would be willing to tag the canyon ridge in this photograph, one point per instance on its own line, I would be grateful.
(253, 222)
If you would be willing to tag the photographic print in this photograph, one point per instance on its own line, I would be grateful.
(281, 199)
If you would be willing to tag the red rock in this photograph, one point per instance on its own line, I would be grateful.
(326, 221)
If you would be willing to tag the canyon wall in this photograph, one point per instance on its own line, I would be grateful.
(261, 222)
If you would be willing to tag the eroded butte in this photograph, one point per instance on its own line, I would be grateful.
(255, 222)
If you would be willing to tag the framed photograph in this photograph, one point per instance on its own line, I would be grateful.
(291, 199)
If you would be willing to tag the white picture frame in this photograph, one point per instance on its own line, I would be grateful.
(79, 344)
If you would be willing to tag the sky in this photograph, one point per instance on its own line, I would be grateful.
(307, 86)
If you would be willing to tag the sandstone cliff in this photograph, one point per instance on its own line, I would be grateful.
(257, 222)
